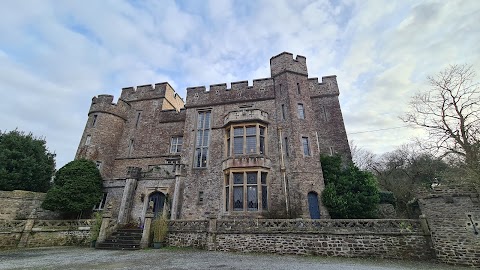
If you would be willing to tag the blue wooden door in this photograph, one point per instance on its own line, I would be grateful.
(313, 205)
(158, 199)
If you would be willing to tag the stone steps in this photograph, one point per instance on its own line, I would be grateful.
(122, 239)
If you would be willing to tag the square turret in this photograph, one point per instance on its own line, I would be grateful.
(285, 62)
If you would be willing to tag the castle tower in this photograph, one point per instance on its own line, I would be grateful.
(102, 132)
(297, 130)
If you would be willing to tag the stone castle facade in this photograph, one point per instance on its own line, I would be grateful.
(247, 151)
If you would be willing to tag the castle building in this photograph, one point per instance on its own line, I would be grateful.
(248, 151)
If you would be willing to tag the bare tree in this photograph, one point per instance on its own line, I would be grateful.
(361, 157)
(450, 112)
(406, 170)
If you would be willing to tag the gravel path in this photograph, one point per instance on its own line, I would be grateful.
(65, 258)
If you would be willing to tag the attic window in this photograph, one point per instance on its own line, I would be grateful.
(245, 106)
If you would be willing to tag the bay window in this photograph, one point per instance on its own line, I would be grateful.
(245, 139)
(246, 191)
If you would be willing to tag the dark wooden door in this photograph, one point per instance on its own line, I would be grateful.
(158, 199)
(313, 205)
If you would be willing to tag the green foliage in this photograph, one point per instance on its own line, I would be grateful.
(160, 228)
(95, 229)
(349, 192)
(387, 197)
(77, 187)
(406, 170)
(25, 162)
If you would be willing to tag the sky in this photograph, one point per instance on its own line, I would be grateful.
(56, 55)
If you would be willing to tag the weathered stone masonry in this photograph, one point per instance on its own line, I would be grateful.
(294, 119)
(394, 239)
(453, 214)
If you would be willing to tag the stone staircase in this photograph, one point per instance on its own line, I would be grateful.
(122, 239)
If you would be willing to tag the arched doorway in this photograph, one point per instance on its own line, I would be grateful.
(313, 205)
(158, 199)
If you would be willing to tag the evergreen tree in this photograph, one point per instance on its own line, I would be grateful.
(349, 192)
(77, 187)
(25, 162)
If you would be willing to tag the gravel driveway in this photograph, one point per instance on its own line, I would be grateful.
(64, 258)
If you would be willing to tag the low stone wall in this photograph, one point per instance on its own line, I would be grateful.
(191, 233)
(394, 239)
(453, 214)
(44, 233)
(10, 233)
(19, 204)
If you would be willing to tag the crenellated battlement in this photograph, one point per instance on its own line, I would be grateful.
(105, 104)
(239, 91)
(157, 91)
(285, 62)
(327, 87)
(146, 91)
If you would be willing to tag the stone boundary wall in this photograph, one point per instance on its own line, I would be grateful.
(393, 239)
(19, 204)
(453, 214)
(44, 233)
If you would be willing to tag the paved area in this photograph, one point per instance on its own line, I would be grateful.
(87, 258)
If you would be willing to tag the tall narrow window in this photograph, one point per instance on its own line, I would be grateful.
(306, 146)
(301, 111)
(98, 164)
(283, 112)
(298, 88)
(176, 144)
(200, 197)
(87, 140)
(251, 140)
(332, 151)
(285, 141)
(94, 120)
(262, 140)
(227, 192)
(252, 191)
(264, 191)
(202, 139)
(228, 142)
(138, 118)
(324, 110)
(238, 191)
(130, 147)
(238, 140)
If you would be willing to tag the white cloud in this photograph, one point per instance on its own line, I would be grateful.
(54, 56)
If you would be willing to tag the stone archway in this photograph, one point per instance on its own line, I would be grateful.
(157, 199)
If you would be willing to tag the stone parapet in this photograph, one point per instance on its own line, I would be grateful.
(247, 161)
(246, 115)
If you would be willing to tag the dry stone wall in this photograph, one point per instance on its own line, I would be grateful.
(395, 239)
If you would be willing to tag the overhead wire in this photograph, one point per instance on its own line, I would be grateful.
(375, 130)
